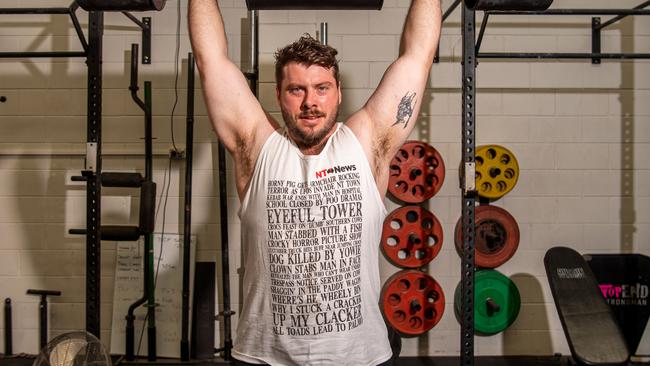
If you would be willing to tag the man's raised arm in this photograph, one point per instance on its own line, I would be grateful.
(388, 117)
(236, 115)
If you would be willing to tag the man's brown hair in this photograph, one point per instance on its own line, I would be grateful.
(307, 51)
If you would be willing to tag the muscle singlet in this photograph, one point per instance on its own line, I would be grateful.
(311, 227)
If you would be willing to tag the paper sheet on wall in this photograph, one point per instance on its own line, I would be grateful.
(169, 288)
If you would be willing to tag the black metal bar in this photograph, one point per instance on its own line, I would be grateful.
(93, 184)
(133, 19)
(8, 329)
(253, 74)
(145, 26)
(468, 200)
(42, 311)
(146, 41)
(42, 317)
(130, 316)
(187, 232)
(15, 11)
(149, 274)
(572, 12)
(484, 23)
(314, 4)
(133, 87)
(225, 265)
(77, 26)
(451, 9)
(619, 17)
(42, 54)
(595, 39)
(563, 55)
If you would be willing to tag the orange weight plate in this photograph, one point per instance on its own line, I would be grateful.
(412, 302)
(412, 237)
(416, 172)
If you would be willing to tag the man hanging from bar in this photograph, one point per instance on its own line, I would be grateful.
(312, 190)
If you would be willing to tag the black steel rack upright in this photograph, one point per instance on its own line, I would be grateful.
(470, 57)
(92, 51)
(93, 170)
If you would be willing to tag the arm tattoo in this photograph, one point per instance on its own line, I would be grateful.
(405, 109)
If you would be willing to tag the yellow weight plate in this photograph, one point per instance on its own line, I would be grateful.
(497, 171)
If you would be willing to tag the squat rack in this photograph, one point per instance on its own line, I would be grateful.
(470, 55)
(92, 51)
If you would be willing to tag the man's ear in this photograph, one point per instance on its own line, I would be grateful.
(340, 94)
(277, 93)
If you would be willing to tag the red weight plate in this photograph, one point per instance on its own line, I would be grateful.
(416, 172)
(497, 236)
(412, 237)
(412, 302)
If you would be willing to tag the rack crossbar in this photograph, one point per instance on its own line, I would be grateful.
(532, 55)
(34, 11)
(42, 54)
(572, 12)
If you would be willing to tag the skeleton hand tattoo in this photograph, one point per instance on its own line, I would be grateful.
(405, 109)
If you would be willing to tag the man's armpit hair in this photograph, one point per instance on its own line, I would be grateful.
(405, 109)
(380, 149)
(244, 152)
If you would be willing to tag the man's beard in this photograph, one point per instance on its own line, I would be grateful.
(306, 138)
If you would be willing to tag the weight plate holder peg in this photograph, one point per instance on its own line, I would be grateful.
(497, 171)
(412, 302)
(417, 172)
(497, 236)
(412, 237)
(496, 302)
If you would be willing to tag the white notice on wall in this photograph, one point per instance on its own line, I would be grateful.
(168, 263)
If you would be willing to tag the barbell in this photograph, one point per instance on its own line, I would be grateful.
(121, 5)
(526, 5)
(314, 4)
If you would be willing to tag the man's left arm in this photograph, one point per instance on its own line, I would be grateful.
(388, 117)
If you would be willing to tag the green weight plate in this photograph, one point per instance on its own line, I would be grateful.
(496, 302)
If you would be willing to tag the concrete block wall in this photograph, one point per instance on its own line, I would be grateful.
(579, 131)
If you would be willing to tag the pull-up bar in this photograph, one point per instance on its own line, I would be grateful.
(508, 4)
(121, 5)
(314, 4)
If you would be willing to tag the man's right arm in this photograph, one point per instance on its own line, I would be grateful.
(237, 117)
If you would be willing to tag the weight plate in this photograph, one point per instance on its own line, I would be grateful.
(412, 237)
(497, 236)
(496, 301)
(497, 171)
(412, 302)
(416, 172)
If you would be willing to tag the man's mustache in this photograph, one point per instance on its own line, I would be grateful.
(313, 113)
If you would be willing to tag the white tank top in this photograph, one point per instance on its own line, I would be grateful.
(311, 227)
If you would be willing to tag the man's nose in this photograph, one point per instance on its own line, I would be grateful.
(308, 101)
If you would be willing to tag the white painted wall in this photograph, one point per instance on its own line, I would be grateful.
(581, 133)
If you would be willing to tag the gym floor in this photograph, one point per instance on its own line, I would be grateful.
(23, 360)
